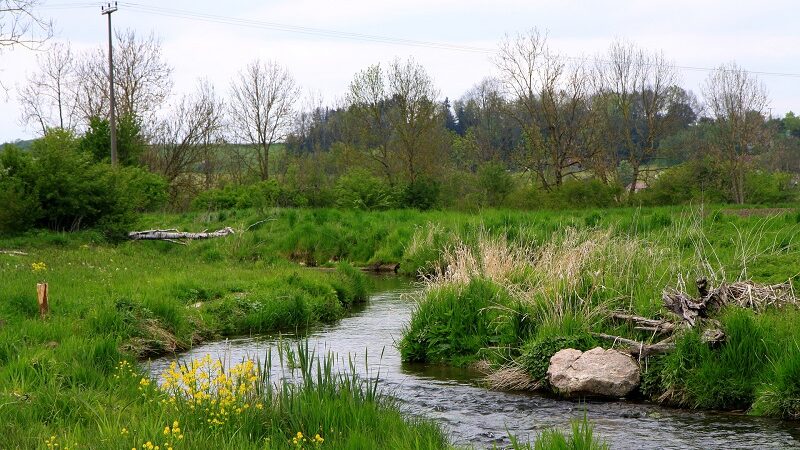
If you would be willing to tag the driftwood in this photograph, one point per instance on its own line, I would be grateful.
(639, 349)
(745, 294)
(657, 326)
(176, 236)
(382, 267)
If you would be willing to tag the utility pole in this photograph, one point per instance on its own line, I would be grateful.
(112, 118)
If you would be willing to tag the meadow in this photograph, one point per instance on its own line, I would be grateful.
(76, 377)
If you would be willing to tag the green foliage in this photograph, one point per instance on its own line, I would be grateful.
(453, 324)
(584, 193)
(496, 182)
(20, 200)
(130, 144)
(422, 194)
(143, 190)
(358, 189)
(766, 188)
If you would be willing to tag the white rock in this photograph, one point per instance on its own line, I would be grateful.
(608, 373)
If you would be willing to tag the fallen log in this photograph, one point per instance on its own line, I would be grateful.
(639, 349)
(657, 326)
(382, 267)
(176, 236)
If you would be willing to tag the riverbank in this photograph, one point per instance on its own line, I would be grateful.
(516, 302)
(115, 303)
(73, 378)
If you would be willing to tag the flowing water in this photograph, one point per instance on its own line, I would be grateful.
(482, 418)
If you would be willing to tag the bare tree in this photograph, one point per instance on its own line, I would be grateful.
(187, 137)
(565, 101)
(261, 108)
(520, 60)
(21, 25)
(142, 78)
(738, 102)
(47, 99)
(641, 87)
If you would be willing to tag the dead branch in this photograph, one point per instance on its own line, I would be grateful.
(13, 252)
(658, 326)
(639, 349)
(746, 294)
(176, 236)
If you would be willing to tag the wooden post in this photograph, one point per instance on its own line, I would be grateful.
(41, 290)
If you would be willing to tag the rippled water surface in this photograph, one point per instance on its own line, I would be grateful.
(480, 417)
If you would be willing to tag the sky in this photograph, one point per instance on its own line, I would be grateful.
(762, 36)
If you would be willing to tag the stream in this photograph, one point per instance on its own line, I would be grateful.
(478, 417)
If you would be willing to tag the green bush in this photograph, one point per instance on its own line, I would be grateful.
(496, 182)
(762, 187)
(422, 194)
(583, 194)
(62, 188)
(358, 189)
(693, 181)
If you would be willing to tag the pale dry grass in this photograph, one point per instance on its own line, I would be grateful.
(492, 258)
(562, 276)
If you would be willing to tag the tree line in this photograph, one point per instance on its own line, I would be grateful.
(549, 130)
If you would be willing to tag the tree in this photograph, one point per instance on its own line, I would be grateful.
(261, 108)
(565, 100)
(737, 102)
(185, 139)
(370, 125)
(520, 60)
(415, 116)
(130, 145)
(642, 91)
(48, 98)
(480, 112)
(142, 78)
(21, 25)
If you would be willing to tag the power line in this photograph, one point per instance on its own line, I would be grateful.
(258, 24)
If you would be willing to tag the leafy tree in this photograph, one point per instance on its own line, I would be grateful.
(130, 143)
(496, 182)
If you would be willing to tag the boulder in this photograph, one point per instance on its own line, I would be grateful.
(606, 373)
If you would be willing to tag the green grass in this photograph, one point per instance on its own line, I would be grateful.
(113, 303)
(116, 303)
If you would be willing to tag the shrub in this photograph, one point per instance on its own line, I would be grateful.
(584, 193)
(358, 189)
(496, 182)
(696, 180)
(422, 193)
(768, 188)
(59, 186)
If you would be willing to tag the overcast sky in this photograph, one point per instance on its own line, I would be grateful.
(759, 35)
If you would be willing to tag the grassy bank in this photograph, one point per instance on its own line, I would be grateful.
(516, 299)
(114, 304)
(111, 305)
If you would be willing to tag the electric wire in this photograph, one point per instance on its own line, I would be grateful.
(362, 37)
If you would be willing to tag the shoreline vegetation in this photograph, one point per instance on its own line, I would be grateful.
(75, 375)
